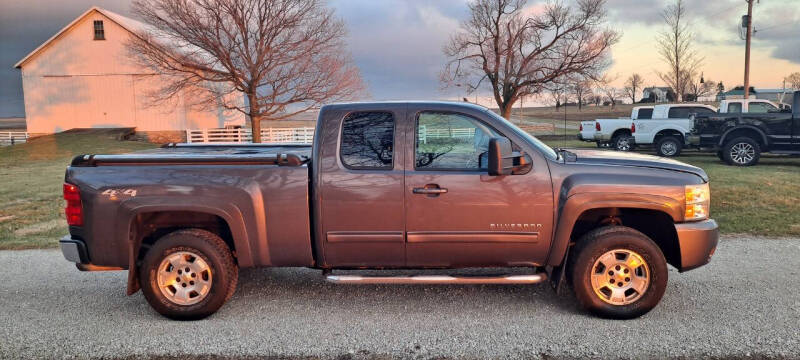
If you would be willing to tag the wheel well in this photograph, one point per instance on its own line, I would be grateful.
(744, 132)
(149, 227)
(657, 225)
(668, 132)
(621, 132)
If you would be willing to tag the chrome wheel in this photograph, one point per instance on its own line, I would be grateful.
(620, 277)
(669, 148)
(742, 153)
(623, 143)
(184, 278)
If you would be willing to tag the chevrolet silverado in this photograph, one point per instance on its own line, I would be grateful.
(388, 186)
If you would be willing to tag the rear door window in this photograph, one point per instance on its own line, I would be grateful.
(703, 111)
(368, 141)
(734, 108)
(678, 113)
(645, 114)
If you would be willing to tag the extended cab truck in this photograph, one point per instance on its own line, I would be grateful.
(615, 132)
(752, 106)
(405, 185)
(740, 138)
(668, 127)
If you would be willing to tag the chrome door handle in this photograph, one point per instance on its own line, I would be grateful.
(430, 189)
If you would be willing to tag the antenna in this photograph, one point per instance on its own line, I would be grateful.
(565, 123)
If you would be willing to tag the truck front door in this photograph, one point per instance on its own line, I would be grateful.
(459, 216)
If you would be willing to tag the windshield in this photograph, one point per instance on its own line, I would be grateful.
(547, 151)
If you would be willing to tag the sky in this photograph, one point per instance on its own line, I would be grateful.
(397, 44)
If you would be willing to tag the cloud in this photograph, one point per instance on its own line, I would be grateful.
(398, 44)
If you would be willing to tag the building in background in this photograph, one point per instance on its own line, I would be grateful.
(658, 95)
(82, 77)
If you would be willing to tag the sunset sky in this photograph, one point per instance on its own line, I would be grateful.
(397, 43)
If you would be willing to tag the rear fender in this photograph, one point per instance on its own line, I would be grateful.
(131, 209)
(726, 134)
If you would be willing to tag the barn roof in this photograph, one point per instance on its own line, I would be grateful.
(129, 24)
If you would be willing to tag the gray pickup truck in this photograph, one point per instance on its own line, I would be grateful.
(388, 186)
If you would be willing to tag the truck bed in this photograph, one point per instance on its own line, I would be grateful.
(235, 183)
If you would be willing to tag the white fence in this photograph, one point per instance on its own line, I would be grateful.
(303, 135)
(425, 133)
(13, 137)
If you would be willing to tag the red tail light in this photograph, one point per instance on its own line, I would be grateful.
(597, 126)
(633, 128)
(74, 209)
(580, 128)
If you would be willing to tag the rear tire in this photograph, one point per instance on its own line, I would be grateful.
(742, 151)
(622, 143)
(669, 146)
(617, 272)
(188, 274)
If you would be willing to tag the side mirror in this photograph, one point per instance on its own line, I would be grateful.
(501, 160)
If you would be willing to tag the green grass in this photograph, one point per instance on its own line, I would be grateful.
(760, 200)
(32, 174)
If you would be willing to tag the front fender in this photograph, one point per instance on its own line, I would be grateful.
(579, 203)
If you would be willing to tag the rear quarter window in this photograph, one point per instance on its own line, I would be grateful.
(645, 114)
(703, 111)
(678, 113)
(368, 141)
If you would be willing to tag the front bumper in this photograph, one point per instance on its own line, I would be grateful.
(697, 241)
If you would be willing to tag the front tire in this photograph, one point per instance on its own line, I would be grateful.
(742, 151)
(618, 272)
(669, 146)
(188, 274)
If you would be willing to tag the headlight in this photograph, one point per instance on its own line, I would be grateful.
(698, 201)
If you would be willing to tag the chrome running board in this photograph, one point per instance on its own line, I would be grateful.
(437, 279)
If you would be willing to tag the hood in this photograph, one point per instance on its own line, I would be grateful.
(618, 158)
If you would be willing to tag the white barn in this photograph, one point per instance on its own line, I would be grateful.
(82, 77)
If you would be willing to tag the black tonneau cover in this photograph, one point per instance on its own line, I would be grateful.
(207, 154)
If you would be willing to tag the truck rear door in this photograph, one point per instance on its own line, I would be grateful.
(360, 187)
(456, 214)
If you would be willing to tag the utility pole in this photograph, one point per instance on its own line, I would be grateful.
(747, 49)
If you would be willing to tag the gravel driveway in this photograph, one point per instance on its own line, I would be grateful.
(745, 303)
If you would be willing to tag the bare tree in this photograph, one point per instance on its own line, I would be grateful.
(675, 45)
(556, 92)
(699, 90)
(632, 86)
(794, 80)
(285, 56)
(518, 54)
(607, 89)
(582, 89)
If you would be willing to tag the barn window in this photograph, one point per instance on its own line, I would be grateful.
(99, 33)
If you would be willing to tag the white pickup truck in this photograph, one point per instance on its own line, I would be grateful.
(670, 123)
(613, 132)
